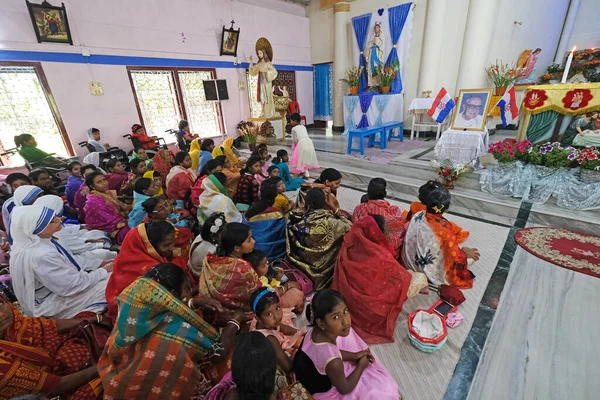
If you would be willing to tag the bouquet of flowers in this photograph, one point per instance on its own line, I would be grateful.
(588, 159)
(448, 172)
(502, 75)
(386, 74)
(267, 130)
(510, 151)
(248, 130)
(353, 76)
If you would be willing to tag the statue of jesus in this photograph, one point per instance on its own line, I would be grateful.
(266, 75)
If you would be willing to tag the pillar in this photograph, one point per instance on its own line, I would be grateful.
(567, 31)
(433, 42)
(478, 36)
(341, 11)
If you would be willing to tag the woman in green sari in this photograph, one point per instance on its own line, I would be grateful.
(315, 236)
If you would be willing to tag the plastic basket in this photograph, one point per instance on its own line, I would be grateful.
(425, 344)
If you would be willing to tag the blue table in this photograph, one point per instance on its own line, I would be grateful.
(389, 130)
(362, 133)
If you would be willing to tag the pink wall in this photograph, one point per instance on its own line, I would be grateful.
(153, 28)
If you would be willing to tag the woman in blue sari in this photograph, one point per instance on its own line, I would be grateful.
(284, 171)
(267, 223)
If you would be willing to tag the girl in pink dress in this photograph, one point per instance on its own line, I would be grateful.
(333, 362)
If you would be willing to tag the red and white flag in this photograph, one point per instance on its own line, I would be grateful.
(508, 106)
(441, 107)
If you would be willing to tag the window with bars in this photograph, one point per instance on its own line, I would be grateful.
(27, 106)
(284, 78)
(164, 96)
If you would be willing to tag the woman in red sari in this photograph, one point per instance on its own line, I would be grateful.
(181, 178)
(226, 276)
(376, 204)
(37, 357)
(144, 247)
(373, 283)
(161, 163)
(159, 209)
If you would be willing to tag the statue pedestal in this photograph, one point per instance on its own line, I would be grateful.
(277, 122)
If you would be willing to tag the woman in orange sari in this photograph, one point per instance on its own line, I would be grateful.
(377, 204)
(37, 357)
(102, 209)
(226, 276)
(373, 283)
(232, 172)
(162, 163)
(417, 206)
(431, 246)
(144, 247)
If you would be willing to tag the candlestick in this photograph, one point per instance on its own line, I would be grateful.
(568, 66)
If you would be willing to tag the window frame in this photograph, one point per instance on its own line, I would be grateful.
(178, 91)
(37, 66)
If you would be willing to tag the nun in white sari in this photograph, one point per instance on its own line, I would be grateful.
(88, 247)
(46, 279)
(24, 195)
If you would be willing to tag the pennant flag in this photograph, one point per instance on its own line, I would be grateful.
(442, 105)
(508, 107)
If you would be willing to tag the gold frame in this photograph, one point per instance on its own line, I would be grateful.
(483, 109)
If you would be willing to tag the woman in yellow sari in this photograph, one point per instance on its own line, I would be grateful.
(315, 236)
(226, 149)
(195, 153)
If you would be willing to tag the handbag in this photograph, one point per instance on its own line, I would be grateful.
(306, 285)
(94, 336)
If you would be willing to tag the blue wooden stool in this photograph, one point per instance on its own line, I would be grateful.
(389, 129)
(361, 134)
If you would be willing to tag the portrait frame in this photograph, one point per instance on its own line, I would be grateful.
(230, 39)
(40, 13)
(463, 96)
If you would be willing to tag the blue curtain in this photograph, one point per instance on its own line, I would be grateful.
(350, 102)
(397, 17)
(365, 102)
(382, 103)
(323, 92)
(361, 30)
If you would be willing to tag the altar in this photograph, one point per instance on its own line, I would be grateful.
(463, 147)
(369, 109)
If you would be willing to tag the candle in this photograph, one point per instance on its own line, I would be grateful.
(568, 66)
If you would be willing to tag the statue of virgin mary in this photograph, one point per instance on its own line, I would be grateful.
(375, 53)
(266, 75)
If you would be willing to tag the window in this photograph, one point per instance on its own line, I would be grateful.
(164, 96)
(27, 106)
(284, 78)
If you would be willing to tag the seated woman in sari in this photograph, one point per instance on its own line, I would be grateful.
(81, 193)
(232, 172)
(145, 246)
(195, 153)
(417, 206)
(138, 168)
(37, 357)
(226, 276)
(162, 163)
(159, 209)
(117, 175)
(144, 189)
(267, 223)
(431, 246)
(214, 199)
(314, 238)
(181, 177)
(373, 283)
(102, 209)
(329, 181)
(170, 355)
(209, 168)
(140, 153)
(377, 204)
(46, 278)
(226, 149)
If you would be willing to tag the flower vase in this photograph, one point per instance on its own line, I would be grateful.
(353, 90)
(447, 184)
(385, 89)
(500, 91)
(251, 146)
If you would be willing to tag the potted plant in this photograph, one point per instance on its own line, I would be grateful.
(353, 79)
(249, 132)
(589, 164)
(502, 76)
(386, 75)
(509, 151)
(448, 172)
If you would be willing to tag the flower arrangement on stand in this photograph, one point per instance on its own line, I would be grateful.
(589, 164)
(249, 132)
(386, 75)
(353, 79)
(449, 172)
(502, 75)
(267, 133)
(585, 62)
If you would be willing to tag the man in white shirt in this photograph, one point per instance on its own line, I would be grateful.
(470, 117)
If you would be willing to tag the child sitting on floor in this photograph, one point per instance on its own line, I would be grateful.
(333, 361)
(282, 203)
(276, 324)
(291, 295)
(247, 190)
(281, 162)
(273, 171)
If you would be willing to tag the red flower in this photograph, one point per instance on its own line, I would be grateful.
(511, 153)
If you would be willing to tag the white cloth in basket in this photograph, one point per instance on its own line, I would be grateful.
(428, 325)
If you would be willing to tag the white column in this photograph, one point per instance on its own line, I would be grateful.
(340, 60)
(478, 35)
(433, 41)
(567, 30)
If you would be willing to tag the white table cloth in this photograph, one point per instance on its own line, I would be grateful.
(393, 112)
(463, 147)
(420, 103)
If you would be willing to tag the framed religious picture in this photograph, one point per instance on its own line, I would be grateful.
(50, 22)
(472, 107)
(229, 41)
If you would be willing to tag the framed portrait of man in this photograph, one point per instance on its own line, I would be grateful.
(472, 107)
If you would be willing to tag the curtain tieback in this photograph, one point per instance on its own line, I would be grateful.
(394, 46)
(362, 53)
